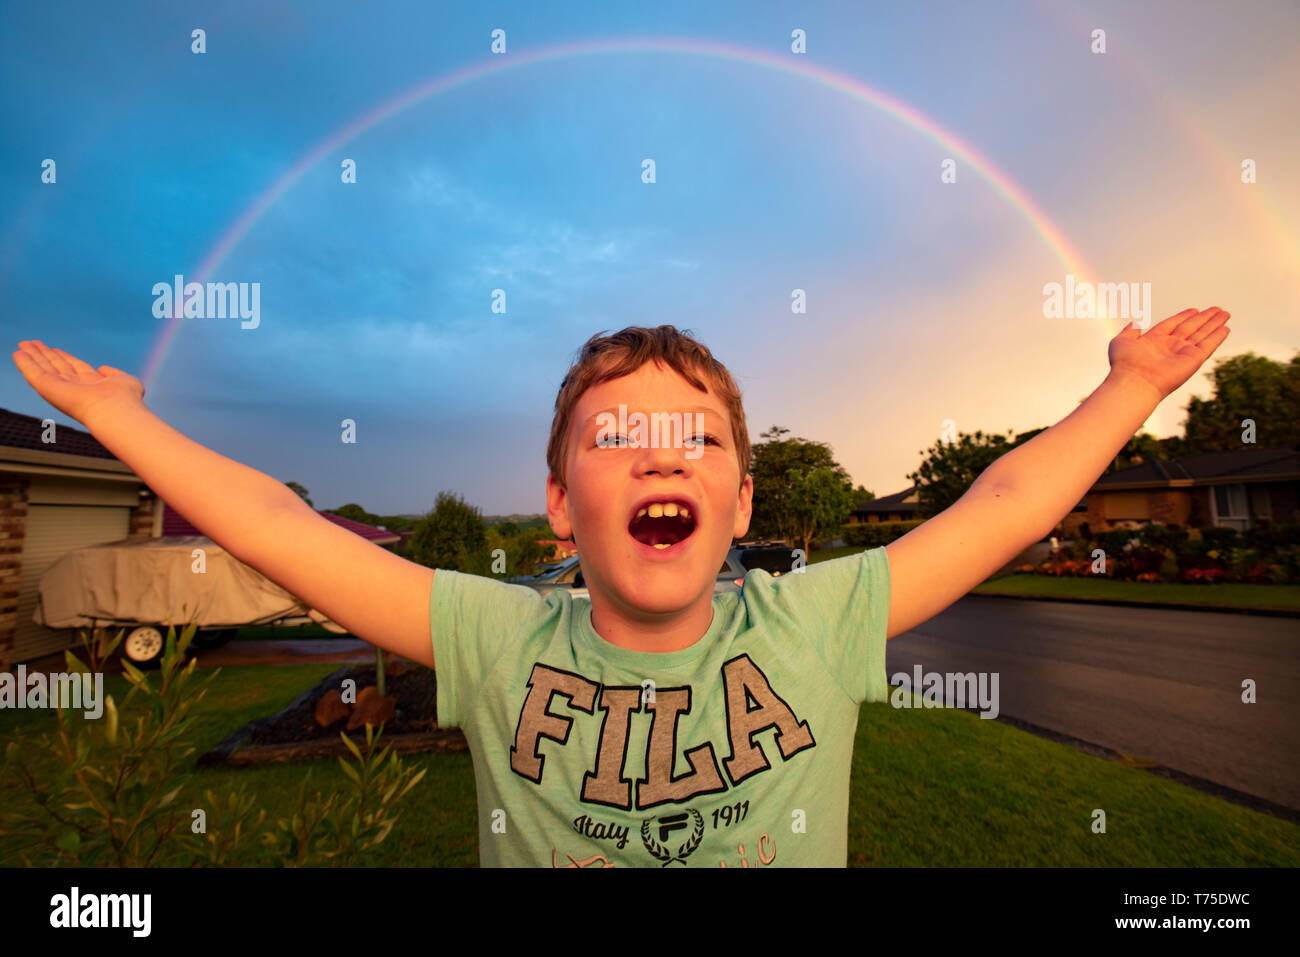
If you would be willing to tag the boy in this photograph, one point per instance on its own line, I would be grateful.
(653, 724)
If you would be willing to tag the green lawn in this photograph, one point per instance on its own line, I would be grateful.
(929, 788)
(1228, 594)
(826, 554)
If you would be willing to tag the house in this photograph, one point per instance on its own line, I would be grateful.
(1239, 489)
(174, 523)
(554, 550)
(61, 490)
(899, 507)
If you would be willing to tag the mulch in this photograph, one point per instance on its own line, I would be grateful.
(293, 734)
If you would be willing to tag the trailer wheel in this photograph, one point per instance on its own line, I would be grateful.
(143, 646)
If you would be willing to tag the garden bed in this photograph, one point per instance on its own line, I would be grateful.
(295, 735)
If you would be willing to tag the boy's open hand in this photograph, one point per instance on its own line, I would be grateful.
(69, 384)
(1169, 352)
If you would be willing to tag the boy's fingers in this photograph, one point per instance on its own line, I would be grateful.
(1172, 323)
(1214, 340)
(55, 362)
(1207, 328)
(1188, 326)
(77, 364)
(34, 356)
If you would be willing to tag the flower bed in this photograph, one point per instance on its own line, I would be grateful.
(1159, 553)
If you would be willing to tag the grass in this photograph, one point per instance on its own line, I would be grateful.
(826, 554)
(929, 787)
(942, 787)
(1225, 595)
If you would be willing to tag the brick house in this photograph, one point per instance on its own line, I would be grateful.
(1239, 489)
(59, 490)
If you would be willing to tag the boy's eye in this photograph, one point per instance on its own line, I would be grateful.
(620, 440)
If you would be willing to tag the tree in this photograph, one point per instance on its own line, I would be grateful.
(1143, 447)
(451, 536)
(820, 503)
(861, 495)
(950, 468)
(523, 551)
(302, 492)
(775, 508)
(355, 513)
(1247, 387)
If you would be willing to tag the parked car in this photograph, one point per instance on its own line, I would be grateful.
(568, 574)
(775, 559)
(145, 584)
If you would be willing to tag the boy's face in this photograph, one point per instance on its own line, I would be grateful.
(608, 486)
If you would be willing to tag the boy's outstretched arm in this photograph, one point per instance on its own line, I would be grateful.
(1024, 494)
(371, 592)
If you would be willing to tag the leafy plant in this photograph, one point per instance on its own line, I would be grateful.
(113, 797)
(113, 802)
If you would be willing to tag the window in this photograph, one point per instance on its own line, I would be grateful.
(1230, 507)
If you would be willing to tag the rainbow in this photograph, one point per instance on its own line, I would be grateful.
(1225, 158)
(791, 64)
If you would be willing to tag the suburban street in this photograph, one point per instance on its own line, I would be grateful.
(1160, 684)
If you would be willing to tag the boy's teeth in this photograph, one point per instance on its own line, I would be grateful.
(656, 511)
(662, 545)
(640, 513)
(670, 509)
(683, 512)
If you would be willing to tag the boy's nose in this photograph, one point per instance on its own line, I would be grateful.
(664, 461)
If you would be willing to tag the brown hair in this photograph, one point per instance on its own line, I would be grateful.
(604, 357)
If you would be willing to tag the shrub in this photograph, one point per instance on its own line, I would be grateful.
(1288, 557)
(1271, 536)
(1240, 561)
(1169, 566)
(1157, 535)
(1114, 542)
(110, 799)
(876, 534)
(1219, 538)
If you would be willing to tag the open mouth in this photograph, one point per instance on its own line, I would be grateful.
(662, 524)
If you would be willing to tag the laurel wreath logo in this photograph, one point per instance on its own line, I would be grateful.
(662, 853)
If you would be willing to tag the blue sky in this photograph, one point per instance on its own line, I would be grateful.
(925, 299)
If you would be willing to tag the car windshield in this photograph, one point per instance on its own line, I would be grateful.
(770, 560)
(552, 572)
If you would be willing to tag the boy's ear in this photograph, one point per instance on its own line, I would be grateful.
(557, 509)
(744, 508)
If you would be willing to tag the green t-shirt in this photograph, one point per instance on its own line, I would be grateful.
(741, 758)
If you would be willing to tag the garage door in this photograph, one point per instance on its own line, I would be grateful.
(53, 531)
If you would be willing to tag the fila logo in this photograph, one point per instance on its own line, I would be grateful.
(744, 682)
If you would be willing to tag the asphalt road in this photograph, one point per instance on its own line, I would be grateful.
(1164, 685)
